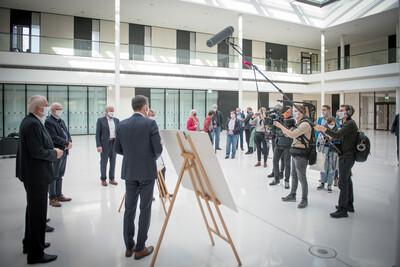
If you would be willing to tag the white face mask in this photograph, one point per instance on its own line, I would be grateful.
(232, 116)
(147, 111)
(331, 126)
(111, 114)
(324, 113)
(296, 114)
(152, 118)
(45, 111)
(58, 113)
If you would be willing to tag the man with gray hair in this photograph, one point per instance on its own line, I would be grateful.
(34, 167)
(105, 136)
(62, 140)
(217, 120)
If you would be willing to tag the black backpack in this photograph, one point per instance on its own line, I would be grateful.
(311, 145)
(363, 147)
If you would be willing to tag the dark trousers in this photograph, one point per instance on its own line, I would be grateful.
(35, 220)
(134, 189)
(260, 139)
(248, 134)
(108, 153)
(55, 188)
(299, 169)
(240, 138)
(397, 138)
(346, 197)
(282, 157)
(279, 154)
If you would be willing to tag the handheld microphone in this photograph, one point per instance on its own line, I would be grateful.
(219, 37)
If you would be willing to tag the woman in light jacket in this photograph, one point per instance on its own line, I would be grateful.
(262, 146)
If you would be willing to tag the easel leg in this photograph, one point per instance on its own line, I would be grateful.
(122, 202)
(153, 261)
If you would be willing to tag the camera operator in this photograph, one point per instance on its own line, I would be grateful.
(259, 119)
(277, 111)
(348, 136)
(301, 135)
(281, 152)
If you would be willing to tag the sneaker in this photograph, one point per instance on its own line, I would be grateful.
(339, 214)
(321, 186)
(232, 157)
(329, 188)
(289, 198)
(349, 208)
(249, 152)
(302, 204)
(287, 185)
(274, 183)
(270, 175)
(218, 148)
(226, 157)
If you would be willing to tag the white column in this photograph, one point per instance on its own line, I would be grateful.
(322, 68)
(240, 59)
(342, 52)
(341, 98)
(117, 43)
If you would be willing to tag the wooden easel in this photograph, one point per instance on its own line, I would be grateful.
(192, 164)
(162, 189)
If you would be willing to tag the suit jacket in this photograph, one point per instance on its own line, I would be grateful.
(103, 131)
(35, 154)
(139, 142)
(55, 128)
(395, 125)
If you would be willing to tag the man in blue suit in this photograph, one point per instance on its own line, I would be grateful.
(139, 142)
(105, 137)
(61, 140)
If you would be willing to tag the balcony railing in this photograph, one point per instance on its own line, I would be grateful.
(96, 49)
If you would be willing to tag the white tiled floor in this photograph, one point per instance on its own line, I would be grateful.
(265, 231)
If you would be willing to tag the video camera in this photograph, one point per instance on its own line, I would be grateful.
(275, 114)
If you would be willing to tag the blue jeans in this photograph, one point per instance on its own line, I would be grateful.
(217, 132)
(55, 187)
(231, 140)
(211, 135)
(329, 169)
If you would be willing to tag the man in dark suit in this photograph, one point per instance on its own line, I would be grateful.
(247, 129)
(395, 130)
(34, 167)
(138, 140)
(61, 140)
(105, 136)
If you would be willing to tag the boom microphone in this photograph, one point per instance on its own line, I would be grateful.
(219, 37)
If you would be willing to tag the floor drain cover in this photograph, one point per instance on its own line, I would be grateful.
(323, 252)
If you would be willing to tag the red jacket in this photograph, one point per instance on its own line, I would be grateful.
(190, 125)
(207, 122)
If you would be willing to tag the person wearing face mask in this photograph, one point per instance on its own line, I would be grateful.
(301, 135)
(258, 120)
(193, 123)
(152, 114)
(61, 140)
(34, 167)
(218, 121)
(240, 116)
(105, 136)
(138, 141)
(208, 126)
(330, 156)
(326, 113)
(232, 135)
(247, 129)
(347, 134)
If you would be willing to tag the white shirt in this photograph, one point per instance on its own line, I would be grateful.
(111, 126)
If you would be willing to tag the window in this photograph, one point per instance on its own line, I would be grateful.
(185, 106)
(171, 109)
(97, 106)
(78, 114)
(157, 103)
(14, 107)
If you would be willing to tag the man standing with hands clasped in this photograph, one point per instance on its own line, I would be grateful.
(62, 140)
(34, 167)
(139, 142)
(348, 137)
(105, 136)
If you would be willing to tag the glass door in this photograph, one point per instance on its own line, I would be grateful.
(384, 115)
(21, 38)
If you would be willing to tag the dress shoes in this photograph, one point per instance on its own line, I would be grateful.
(54, 203)
(339, 214)
(144, 252)
(270, 175)
(129, 252)
(258, 164)
(218, 148)
(249, 152)
(103, 183)
(46, 245)
(62, 198)
(289, 198)
(113, 182)
(287, 185)
(265, 165)
(44, 259)
(49, 229)
(349, 209)
(47, 220)
(274, 183)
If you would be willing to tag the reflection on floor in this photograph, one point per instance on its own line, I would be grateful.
(265, 231)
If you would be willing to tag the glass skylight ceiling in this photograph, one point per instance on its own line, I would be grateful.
(319, 3)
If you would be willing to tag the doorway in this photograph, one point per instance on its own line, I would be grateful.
(384, 115)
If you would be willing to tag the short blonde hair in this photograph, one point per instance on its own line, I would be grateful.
(192, 111)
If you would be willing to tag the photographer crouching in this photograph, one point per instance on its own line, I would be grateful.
(301, 135)
(281, 150)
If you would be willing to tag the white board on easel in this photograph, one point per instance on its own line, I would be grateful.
(209, 160)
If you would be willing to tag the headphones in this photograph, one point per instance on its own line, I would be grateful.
(350, 110)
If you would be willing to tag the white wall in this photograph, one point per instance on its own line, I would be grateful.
(258, 49)
(314, 97)
(4, 28)
(249, 100)
(125, 107)
(354, 100)
(205, 55)
(369, 46)
(62, 29)
(165, 39)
